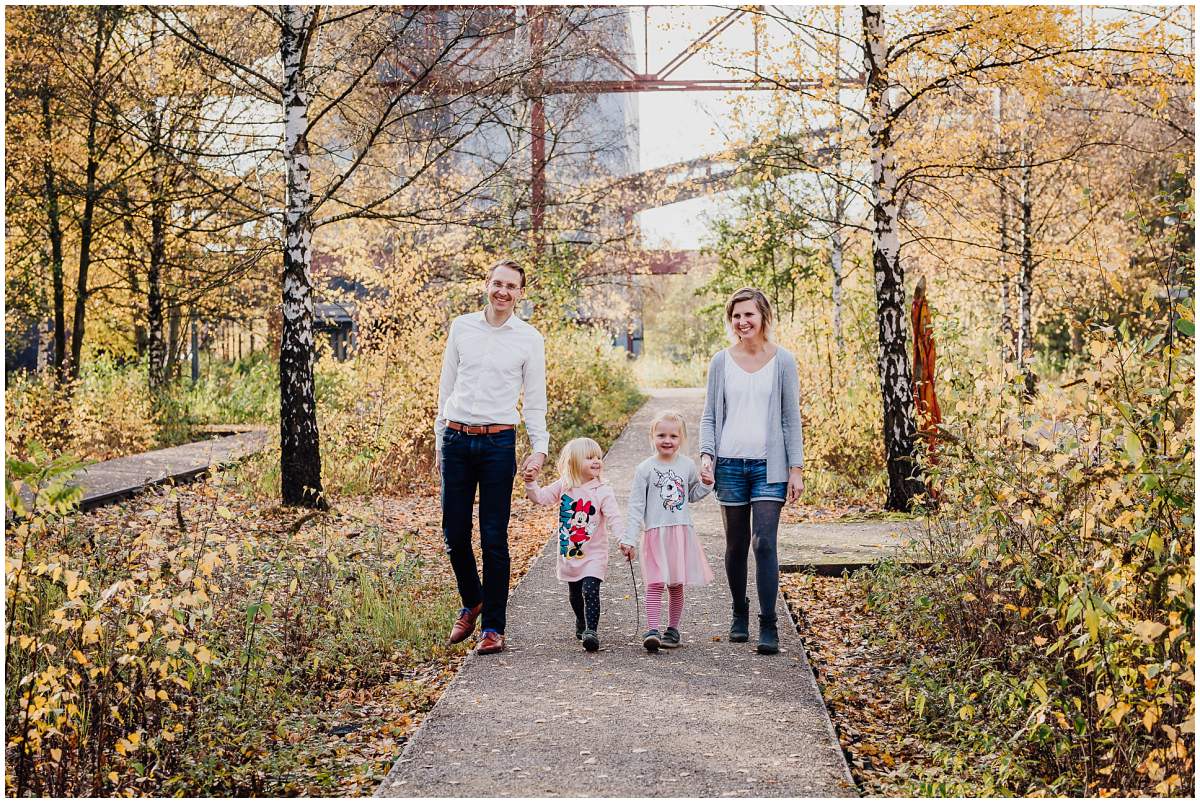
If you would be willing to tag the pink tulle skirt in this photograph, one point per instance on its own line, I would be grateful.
(672, 555)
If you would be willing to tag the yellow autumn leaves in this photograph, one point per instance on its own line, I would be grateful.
(81, 657)
(1074, 569)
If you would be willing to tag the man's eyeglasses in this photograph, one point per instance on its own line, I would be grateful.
(512, 288)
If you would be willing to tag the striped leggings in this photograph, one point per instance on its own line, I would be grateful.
(654, 596)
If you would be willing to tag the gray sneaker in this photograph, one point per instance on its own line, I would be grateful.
(670, 639)
(651, 641)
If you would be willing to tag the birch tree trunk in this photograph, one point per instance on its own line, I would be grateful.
(836, 256)
(895, 379)
(300, 452)
(158, 246)
(836, 244)
(1025, 278)
(1007, 335)
(159, 207)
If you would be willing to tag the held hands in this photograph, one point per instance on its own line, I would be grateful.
(706, 469)
(532, 466)
(630, 552)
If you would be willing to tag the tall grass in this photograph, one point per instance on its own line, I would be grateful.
(655, 370)
(171, 650)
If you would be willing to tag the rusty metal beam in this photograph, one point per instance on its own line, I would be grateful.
(696, 45)
(447, 85)
(451, 79)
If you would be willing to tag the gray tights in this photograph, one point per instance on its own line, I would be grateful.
(739, 536)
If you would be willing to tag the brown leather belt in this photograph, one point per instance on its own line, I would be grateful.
(478, 429)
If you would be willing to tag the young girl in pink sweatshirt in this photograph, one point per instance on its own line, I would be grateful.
(587, 513)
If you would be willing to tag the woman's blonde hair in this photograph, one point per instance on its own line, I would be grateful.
(764, 310)
(669, 415)
(572, 457)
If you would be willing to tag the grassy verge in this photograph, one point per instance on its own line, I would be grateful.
(198, 642)
(658, 371)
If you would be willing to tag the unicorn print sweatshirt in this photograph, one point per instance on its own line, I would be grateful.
(660, 495)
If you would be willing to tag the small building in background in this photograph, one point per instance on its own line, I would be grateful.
(336, 322)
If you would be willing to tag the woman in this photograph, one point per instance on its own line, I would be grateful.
(752, 445)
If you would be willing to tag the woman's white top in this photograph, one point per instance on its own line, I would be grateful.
(747, 408)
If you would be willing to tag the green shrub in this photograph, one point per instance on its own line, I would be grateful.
(1056, 638)
(839, 390)
(245, 391)
(590, 388)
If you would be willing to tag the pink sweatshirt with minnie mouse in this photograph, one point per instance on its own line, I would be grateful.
(586, 515)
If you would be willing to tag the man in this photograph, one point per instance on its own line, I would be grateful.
(490, 356)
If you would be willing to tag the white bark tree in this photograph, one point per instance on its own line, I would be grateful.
(895, 378)
(1006, 328)
(1025, 277)
(836, 196)
(942, 56)
(300, 451)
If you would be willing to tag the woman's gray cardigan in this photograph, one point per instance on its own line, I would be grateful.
(785, 434)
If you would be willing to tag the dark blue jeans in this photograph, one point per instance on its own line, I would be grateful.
(489, 463)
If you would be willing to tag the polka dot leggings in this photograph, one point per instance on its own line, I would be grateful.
(585, 601)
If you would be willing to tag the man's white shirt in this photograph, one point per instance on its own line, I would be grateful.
(483, 371)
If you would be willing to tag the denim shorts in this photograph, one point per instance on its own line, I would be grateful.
(741, 481)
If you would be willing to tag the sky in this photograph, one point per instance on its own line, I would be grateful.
(677, 126)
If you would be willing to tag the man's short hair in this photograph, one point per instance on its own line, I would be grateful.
(506, 263)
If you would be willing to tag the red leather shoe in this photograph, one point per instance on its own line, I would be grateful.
(465, 625)
(491, 642)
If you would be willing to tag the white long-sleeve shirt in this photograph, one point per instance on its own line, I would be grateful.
(484, 370)
(661, 494)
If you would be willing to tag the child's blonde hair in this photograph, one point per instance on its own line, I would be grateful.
(670, 415)
(572, 457)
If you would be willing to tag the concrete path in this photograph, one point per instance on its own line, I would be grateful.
(111, 480)
(708, 719)
(836, 545)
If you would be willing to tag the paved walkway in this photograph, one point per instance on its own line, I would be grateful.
(111, 480)
(830, 547)
(709, 719)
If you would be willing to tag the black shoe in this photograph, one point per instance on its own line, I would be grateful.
(651, 641)
(579, 628)
(591, 642)
(670, 638)
(739, 629)
(768, 635)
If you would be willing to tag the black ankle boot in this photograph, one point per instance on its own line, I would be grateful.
(768, 635)
(739, 629)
